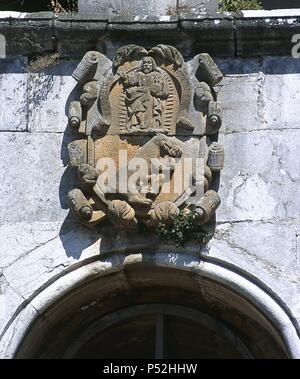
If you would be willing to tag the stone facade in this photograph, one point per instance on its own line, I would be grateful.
(142, 8)
(257, 230)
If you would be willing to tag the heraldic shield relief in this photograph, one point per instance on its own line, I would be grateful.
(149, 152)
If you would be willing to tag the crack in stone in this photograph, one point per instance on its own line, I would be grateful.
(259, 130)
(237, 190)
(280, 161)
(30, 251)
(8, 284)
(63, 265)
(267, 265)
(21, 306)
(261, 104)
(263, 221)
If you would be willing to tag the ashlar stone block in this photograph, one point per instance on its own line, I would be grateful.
(281, 96)
(34, 177)
(239, 95)
(13, 95)
(260, 180)
(48, 93)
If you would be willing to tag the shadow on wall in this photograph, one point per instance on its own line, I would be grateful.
(14, 66)
(74, 237)
(69, 180)
(271, 65)
(29, 65)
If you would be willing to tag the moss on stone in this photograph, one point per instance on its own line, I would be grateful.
(238, 5)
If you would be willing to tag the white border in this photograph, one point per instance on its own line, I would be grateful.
(273, 13)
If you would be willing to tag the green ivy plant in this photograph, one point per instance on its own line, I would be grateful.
(182, 229)
(238, 5)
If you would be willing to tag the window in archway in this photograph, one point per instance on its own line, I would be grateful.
(145, 332)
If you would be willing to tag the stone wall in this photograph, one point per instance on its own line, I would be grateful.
(258, 224)
(142, 8)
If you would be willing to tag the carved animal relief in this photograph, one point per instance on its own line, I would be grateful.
(149, 150)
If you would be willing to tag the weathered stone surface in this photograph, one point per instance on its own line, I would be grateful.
(50, 259)
(20, 238)
(144, 7)
(34, 187)
(121, 7)
(217, 33)
(15, 331)
(265, 252)
(32, 35)
(239, 66)
(13, 95)
(89, 29)
(211, 32)
(279, 113)
(261, 86)
(240, 93)
(261, 183)
(269, 245)
(9, 302)
(266, 36)
(197, 6)
(136, 24)
(49, 94)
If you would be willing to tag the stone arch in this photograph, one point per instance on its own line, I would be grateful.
(118, 281)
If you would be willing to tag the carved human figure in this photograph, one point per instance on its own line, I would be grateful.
(145, 88)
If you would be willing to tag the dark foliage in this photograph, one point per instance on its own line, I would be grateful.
(33, 5)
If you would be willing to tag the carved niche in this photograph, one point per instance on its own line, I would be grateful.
(143, 116)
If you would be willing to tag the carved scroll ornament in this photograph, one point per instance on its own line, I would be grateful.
(142, 117)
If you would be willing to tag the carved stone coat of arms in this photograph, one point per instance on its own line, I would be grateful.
(149, 149)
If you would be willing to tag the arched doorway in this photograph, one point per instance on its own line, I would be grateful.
(143, 308)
